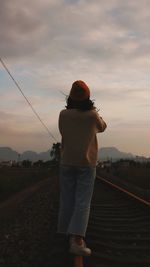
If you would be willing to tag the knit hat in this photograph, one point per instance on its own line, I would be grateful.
(79, 91)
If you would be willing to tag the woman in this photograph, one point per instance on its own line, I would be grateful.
(78, 125)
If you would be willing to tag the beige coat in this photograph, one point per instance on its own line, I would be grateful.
(79, 141)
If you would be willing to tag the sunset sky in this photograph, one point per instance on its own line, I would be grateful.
(48, 44)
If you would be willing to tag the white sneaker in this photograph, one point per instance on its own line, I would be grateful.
(81, 250)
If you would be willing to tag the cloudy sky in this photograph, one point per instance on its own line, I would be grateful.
(47, 44)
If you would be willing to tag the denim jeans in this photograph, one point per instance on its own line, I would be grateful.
(76, 189)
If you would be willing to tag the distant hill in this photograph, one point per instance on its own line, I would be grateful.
(113, 153)
(33, 156)
(104, 153)
(7, 153)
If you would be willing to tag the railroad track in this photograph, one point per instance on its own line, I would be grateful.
(119, 229)
(118, 232)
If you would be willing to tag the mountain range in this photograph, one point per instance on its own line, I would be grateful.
(6, 153)
(104, 153)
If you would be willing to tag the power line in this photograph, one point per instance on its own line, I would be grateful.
(5, 67)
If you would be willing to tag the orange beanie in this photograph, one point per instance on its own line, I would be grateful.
(79, 91)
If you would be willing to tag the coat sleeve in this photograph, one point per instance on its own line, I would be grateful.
(100, 124)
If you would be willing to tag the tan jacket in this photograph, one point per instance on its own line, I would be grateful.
(79, 142)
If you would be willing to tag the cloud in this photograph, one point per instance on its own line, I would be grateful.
(47, 44)
(68, 38)
(18, 24)
(58, 29)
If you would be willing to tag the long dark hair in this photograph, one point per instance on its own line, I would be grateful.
(81, 105)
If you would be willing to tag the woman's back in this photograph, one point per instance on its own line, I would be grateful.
(79, 142)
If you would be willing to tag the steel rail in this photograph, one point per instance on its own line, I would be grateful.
(125, 191)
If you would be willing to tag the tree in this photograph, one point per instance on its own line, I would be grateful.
(55, 151)
(26, 163)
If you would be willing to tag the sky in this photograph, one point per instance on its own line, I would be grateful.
(48, 44)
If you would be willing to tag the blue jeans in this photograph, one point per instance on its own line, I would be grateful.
(76, 189)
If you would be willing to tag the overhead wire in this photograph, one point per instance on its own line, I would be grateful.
(34, 111)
